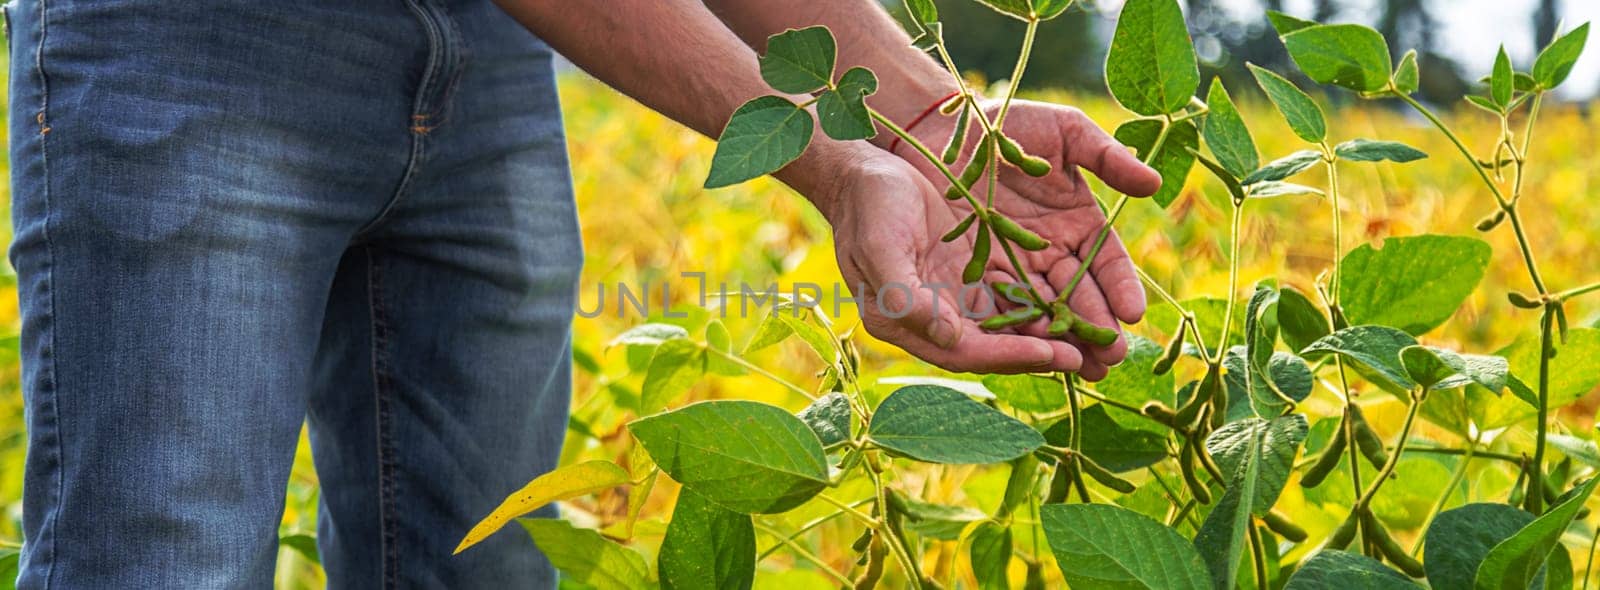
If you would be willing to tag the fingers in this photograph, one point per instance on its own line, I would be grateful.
(1089, 147)
(1113, 271)
(1090, 304)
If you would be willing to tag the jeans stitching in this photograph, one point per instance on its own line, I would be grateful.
(47, 386)
(421, 119)
(381, 393)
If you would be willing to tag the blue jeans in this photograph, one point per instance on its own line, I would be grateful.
(236, 216)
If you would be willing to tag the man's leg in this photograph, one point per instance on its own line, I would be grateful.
(445, 374)
(186, 179)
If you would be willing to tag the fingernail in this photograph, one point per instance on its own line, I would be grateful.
(943, 333)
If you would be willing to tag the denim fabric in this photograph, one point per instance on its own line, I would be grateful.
(236, 216)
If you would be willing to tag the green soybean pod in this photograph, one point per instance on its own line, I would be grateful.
(973, 171)
(1186, 461)
(1104, 476)
(1174, 350)
(1281, 525)
(1387, 545)
(1189, 413)
(1366, 438)
(1022, 236)
(1491, 220)
(1029, 164)
(874, 567)
(1015, 317)
(949, 107)
(957, 138)
(1063, 320)
(1013, 292)
(1160, 413)
(1560, 312)
(1326, 462)
(1523, 301)
(1343, 535)
(980, 257)
(960, 229)
(1096, 335)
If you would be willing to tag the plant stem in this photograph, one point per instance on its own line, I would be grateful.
(737, 360)
(1338, 232)
(1365, 501)
(1258, 551)
(1459, 474)
(803, 553)
(1535, 497)
(819, 521)
(1111, 217)
(1016, 72)
(1459, 452)
(1588, 570)
(849, 509)
(1574, 292)
(1233, 283)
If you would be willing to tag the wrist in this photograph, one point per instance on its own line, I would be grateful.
(825, 167)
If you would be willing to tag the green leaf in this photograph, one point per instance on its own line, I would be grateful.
(1438, 368)
(707, 546)
(1303, 114)
(1284, 167)
(939, 521)
(586, 557)
(1134, 382)
(718, 338)
(1413, 283)
(1173, 160)
(1515, 561)
(991, 554)
(774, 464)
(1406, 78)
(1280, 439)
(1249, 392)
(1351, 56)
(1555, 62)
(1580, 450)
(1339, 570)
(1460, 538)
(771, 331)
(1227, 135)
(1221, 539)
(305, 545)
(649, 335)
(1151, 67)
(1260, 336)
(1272, 188)
(8, 568)
(1300, 322)
(1367, 150)
(675, 367)
(843, 111)
(763, 136)
(564, 483)
(1029, 393)
(799, 61)
(1113, 445)
(829, 418)
(923, 12)
(1500, 80)
(1048, 9)
(1375, 350)
(1105, 546)
(940, 425)
(1573, 373)
(1286, 24)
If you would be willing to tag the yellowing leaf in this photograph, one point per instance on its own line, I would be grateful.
(564, 483)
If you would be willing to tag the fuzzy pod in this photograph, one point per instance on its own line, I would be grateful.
(1186, 461)
(873, 572)
(1388, 547)
(973, 171)
(980, 257)
(1015, 317)
(1013, 292)
(1491, 220)
(1343, 535)
(1029, 164)
(956, 102)
(1063, 320)
(1104, 476)
(960, 229)
(1284, 527)
(1367, 439)
(1523, 301)
(1022, 236)
(958, 138)
(1160, 413)
(1327, 462)
(1174, 350)
(1096, 335)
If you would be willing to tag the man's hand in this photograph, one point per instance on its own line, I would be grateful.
(887, 233)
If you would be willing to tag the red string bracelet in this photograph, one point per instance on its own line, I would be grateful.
(925, 112)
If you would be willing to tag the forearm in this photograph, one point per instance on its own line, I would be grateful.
(677, 58)
(908, 80)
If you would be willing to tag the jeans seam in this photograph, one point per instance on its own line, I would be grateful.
(47, 356)
(382, 387)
